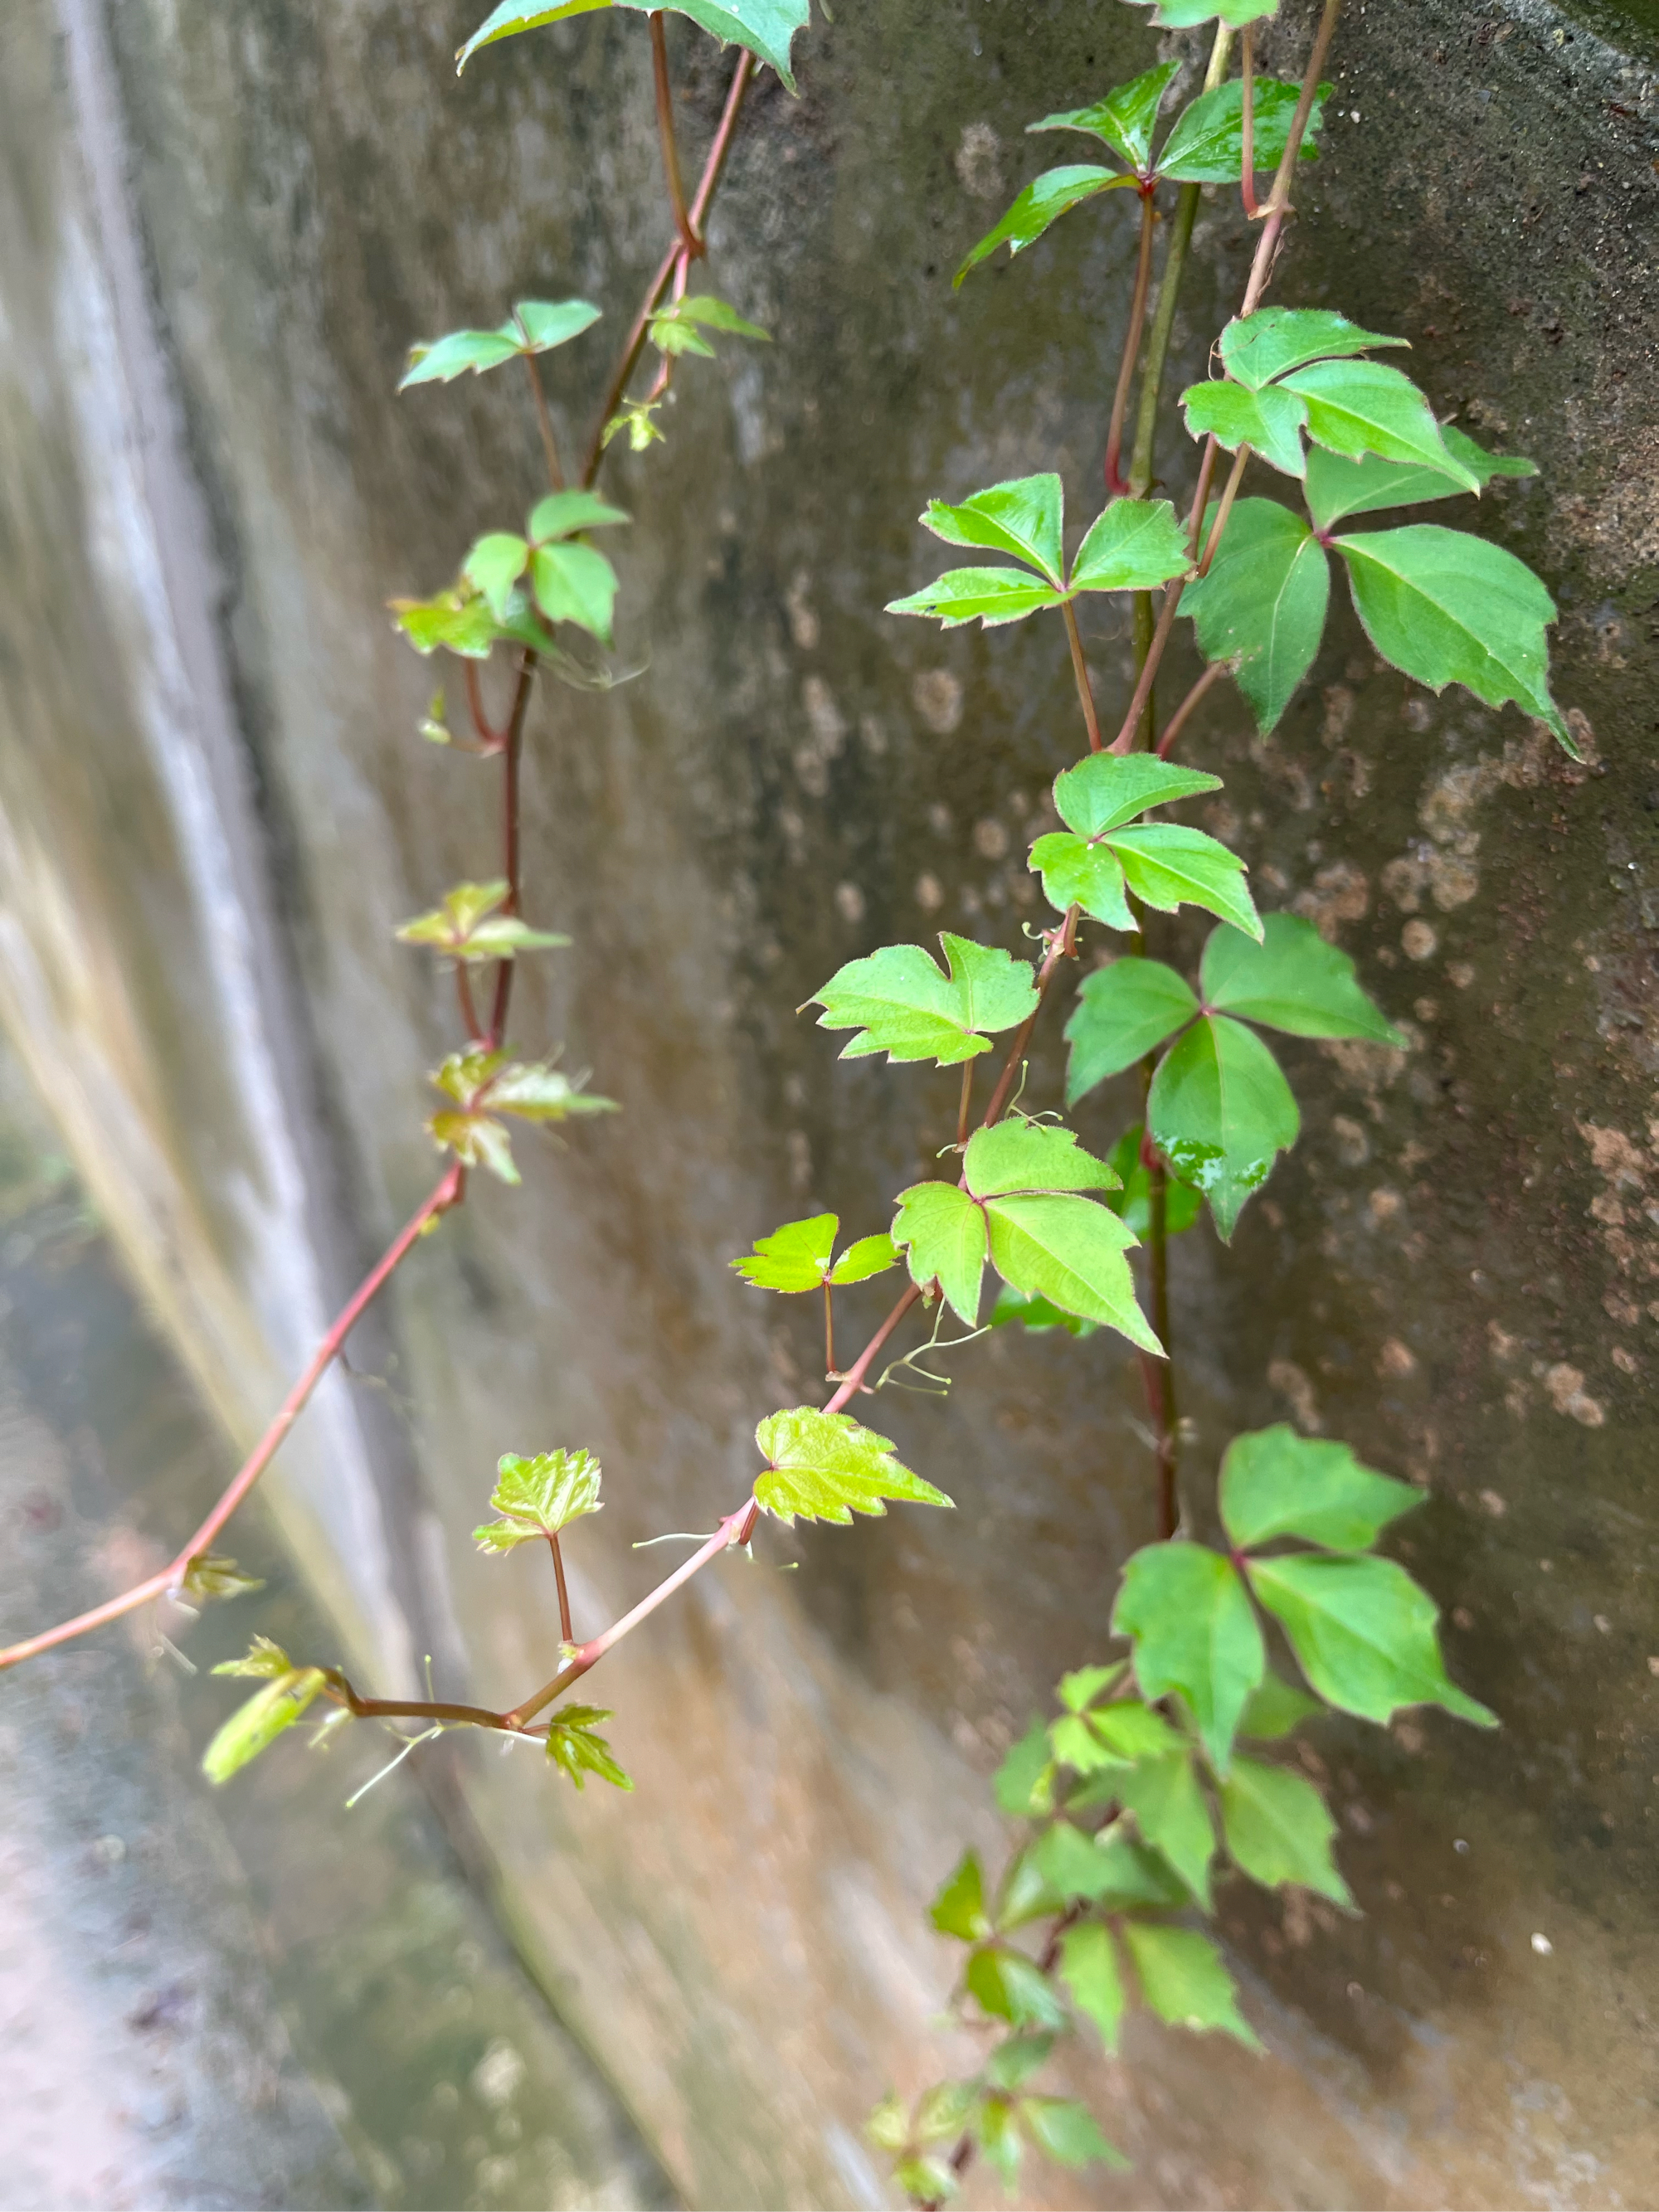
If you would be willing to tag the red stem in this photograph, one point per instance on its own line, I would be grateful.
(564, 1595)
(670, 156)
(1188, 704)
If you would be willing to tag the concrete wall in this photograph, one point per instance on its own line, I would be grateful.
(219, 230)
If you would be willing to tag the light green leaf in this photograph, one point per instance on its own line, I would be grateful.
(1336, 487)
(1293, 980)
(255, 1726)
(467, 927)
(561, 513)
(945, 1240)
(889, 2126)
(535, 326)
(1275, 340)
(1077, 1745)
(1134, 1204)
(1132, 546)
(796, 1257)
(824, 1467)
(1195, 1633)
(1173, 1814)
(991, 596)
(1016, 1155)
(1025, 1781)
(1271, 421)
(926, 2180)
(766, 27)
(1168, 865)
(1089, 1968)
(1072, 1251)
(959, 1908)
(1023, 1894)
(484, 1083)
(265, 1661)
(1275, 1709)
(1221, 1112)
(1006, 1985)
(1356, 407)
(1277, 1829)
(1206, 146)
(1108, 789)
(1275, 1483)
(1074, 872)
(1448, 608)
(1263, 603)
(678, 328)
(1074, 1868)
(1363, 1634)
(1014, 2061)
(476, 1142)
(995, 2129)
(461, 621)
(901, 1005)
(209, 1578)
(494, 565)
(1183, 1980)
(537, 1092)
(1137, 1876)
(578, 1750)
(1024, 517)
(1081, 1688)
(1042, 203)
(942, 2111)
(871, 1256)
(1067, 2132)
(1183, 15)
(1125, 119)
(1133, 1731)
(1123, 1013)
(537, 1496)
(574, 583)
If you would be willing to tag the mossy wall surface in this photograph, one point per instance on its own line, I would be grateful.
(221, 232)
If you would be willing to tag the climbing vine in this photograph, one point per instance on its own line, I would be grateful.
(1157, 1778)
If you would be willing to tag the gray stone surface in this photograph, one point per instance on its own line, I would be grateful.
(1457, 1269)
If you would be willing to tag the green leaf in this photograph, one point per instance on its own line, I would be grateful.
(1182, 14)
(1263, 603)
(1336, 487)
(1277, 1828)
(945, 1239)
(1081, 1688)
(1206, 146)
(1005, 1984)
(1134, 1204)
(1108, 789)
(1043, 202)
(678, 328)
(1014, 2061)
(535, 326)
(825, 1468)
(1173, 1814)
(1275, 1483)
(1168, 865)
(1071, 1251)
(484, 1083)
(538, 1496)
(255, 1726)
(1037, 1315)
(1067, 2132)
(1077, 1870)
(1074, 872)
(494, 565)
(991, 596)
(1023, 1894)
(1195, 1634)
(1271, 421)
(1448, 608)
(1024, 517)
(574, 583)
(1132, 546)
(1089, 1969)
(1356, 407)
(901, 1005)
(871, 1256)
(265, 1661)
(1076, 1744)
(766, 27)
(561, 513)
(1275, 340)
(1137, 1875)
(1183, 1980)
(1363, 1634)
(996, 2131)
(1125, 118)
(926, 2180)
(1134, 1731)
(467, 927)
(959, 1908)
(796, 1257)
(1123, 1013)
(1293, 980)
(639, 418)
(942, 2111)
(1221, 1112)
(1017, 1155)
(209, 1578)
(578, 1750)
(889, 2126)
(462, 620)
(1275, 1709)
(1025, 1781)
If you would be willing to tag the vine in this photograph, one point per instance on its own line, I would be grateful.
(1137, 1796)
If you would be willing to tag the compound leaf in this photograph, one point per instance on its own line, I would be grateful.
(901, 1003)
(1123, 1013)
(1275, 1483)
(535, 326)
(494, 565)
(1108, 789)
(1263, 603)
(1183, 1980)
(824, 1467)
(1363, 1633)
(1220, 1111)
(1168, 865)
(1195, 1633)
(945, 1235)
(1043, 202)
(1024, 517)
(577, 1749)
(871, 1256)
(991, 596)
(796, 1257)
(1356, 407)
(537, 1496)
(1206, 145)
(678, 328)
(1125, 119)
(574, 583)
(1132, 546)
(1277, 1828)
(1071, 1251)
(1291, 980)
(1275, 340)
(1271, 421)
(1016, 1154)
(255, 1726)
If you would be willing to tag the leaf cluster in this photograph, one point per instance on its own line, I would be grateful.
(483, 1085)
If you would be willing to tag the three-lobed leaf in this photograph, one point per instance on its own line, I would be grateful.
(577, 1749)
(901, 1003)
(824, 1467)
(679, 328)
(534, 326)
(1276, 1483)
(468, 926)
(799, 1256)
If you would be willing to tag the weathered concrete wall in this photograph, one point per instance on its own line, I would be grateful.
(221, 232)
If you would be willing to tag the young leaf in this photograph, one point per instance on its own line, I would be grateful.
(796, 1257)
(766, 27)
(1016, 1155)
(825, 1468)
(1123, 1013)
(1075, 1869)
(537, 1496)
(1089, 1968)
(1108, 789)
(1220, 1112)
(561, 513)
(1275, 340)
(1024, 517)
(264, 1660)
(1195, 1633)
(1271, 420)
(463, 622)
(1134, 1731)
(209, 1577)
(1277, 1828)
(1275, 1483)
(1024, 1894)
(1173, 1814)
(1356, 407)
(1006, 1985)
(1448, 608)
(923, 2180)
(991, 596)
(1363, 1634)
(1125, 119)
(1025, 1781)
(535, 326)
(679, 328)
(1293, 980)
(959, 1908)
(871, 1256)
(1183, 1979)
(574, 583)
(1075, 872)
(1132, 546)
(1067, 2132)
(484, 1083)
(945, 1237)
(1077, 1745)
(900, 1003)
(467, 927)
(942, 2111)
(537, 1092)
(255, 1726)
(1263, 603)
(1206, 146)
(1274, 1709)
(1071, 1251)
(889, 2126)
(1169, 865)
(1134, 1204)
(1043, 202)
(494, 565)
(578, 1750)
(1336, 487)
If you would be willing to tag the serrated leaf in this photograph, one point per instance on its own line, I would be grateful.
(1277, 1828)
(678, 328)
(1220, 1111)
(1070, 1250)
(1293, 980)
(1207, 144)
(1043, 202)
(255, 1726)
(1363, 1634)
(1075, 872)
(1024, 517)
(871, 1256)
(1263, 603)
(1016, 1155)
(476, 1142)
(561, 513)
(574, 583)
(1108, 789)
(1132, 546)
(945, 1240)
(958, 1908)
(1005, 1984)
(576, 1748)
(1275, 1709)
(264, 1660)
(467, 927)
(494, 565)
(1134, 1204)
(766, 27)
(824, 1467)
(1183, 1979)
(1076, 1744)
(1173, 1815)
(1447, 608)
(1275, 1483)
(537, 1496)
(1067, 2132)
(1130, 1728)
(536, 1092)
(1270, 421)
(1356, 407)
(1195, 1634)
(1089, 1969)
(1123, 1013)
(794, 1258)
(991, 596)
(1137, 1877)
(484, 1083)
(1168, 865)
(1125, 119)
(1275, 340)
(1024, 1782)
(901, 1005)
(1337, 488)
(1080, 1689)
(535, 326)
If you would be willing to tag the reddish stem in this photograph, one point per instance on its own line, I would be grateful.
(1247, 123)
(1188, 705)
(1080, 670)
(670, 156)
(564, 1595)
(1116, 482)
(510, 758)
